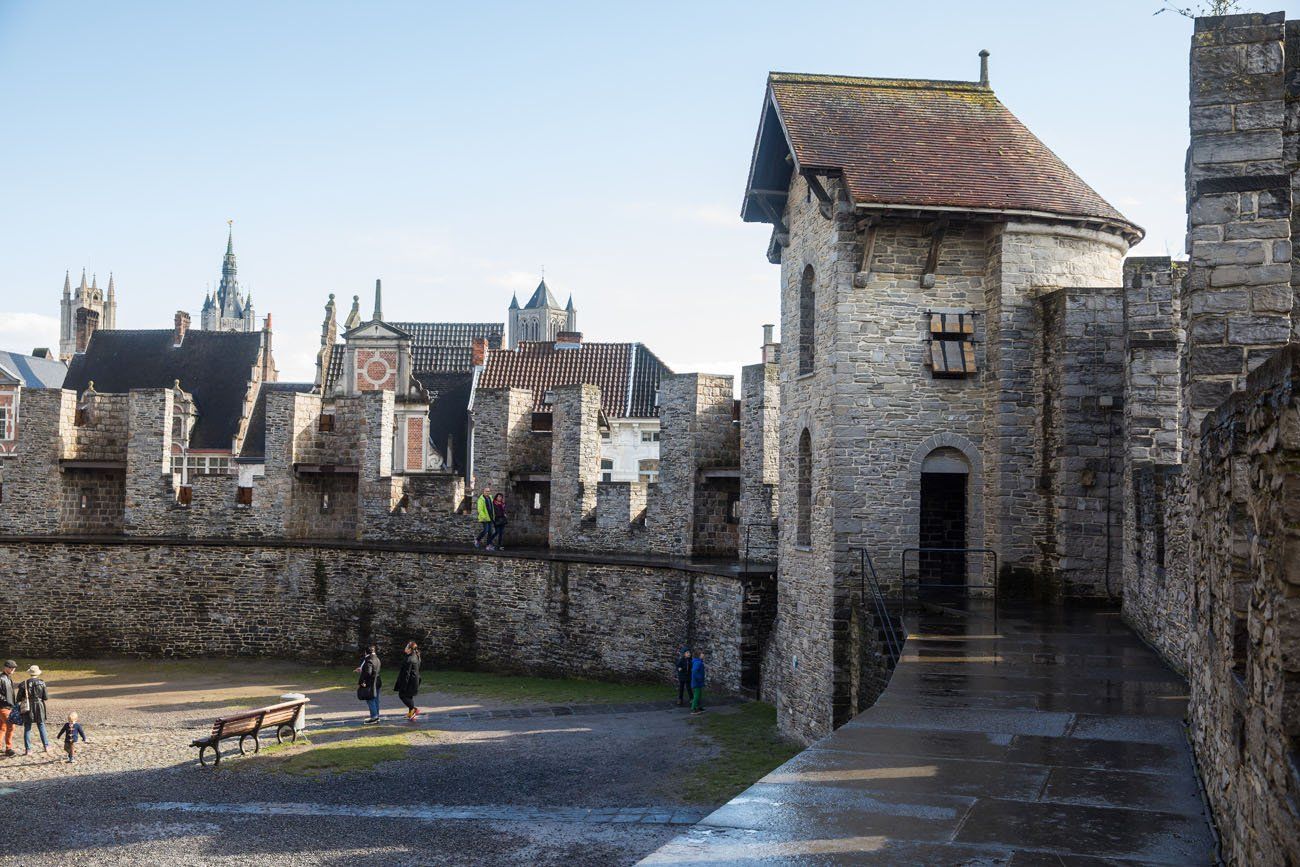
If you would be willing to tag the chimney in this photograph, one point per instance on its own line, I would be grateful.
(568, 340)
(771, 349)
(478, 351)
(182, 326)
(87, 322)
(984, 67)
(41, 352)
(269, 373)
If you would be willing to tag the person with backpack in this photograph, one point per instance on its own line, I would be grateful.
(408, 680)
(683, 676)
(369, 682)
(32, 696)
(487, 529)
(499, 519)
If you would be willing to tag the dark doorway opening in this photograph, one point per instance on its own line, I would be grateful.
(943, 525)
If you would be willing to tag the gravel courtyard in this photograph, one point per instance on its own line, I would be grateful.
(479, 780)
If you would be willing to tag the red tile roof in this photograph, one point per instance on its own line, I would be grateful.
(942, 144)
(628, 374)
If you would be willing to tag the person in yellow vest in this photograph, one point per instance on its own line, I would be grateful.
(485, 519)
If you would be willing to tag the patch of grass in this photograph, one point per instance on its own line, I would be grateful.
(540, 690)
(339, 755)
(749, 747)
(280, 674)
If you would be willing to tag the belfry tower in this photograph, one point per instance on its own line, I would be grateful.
(541, 318)
(82, 312)
(228, 310)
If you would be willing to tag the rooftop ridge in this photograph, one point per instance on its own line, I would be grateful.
(868, 81)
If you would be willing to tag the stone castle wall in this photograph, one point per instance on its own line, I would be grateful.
(175, 598)
(1211, 524)
(1244, 641)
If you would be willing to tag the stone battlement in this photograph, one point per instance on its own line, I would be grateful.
(326, 473)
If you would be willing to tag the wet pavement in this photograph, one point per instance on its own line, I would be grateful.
(1054, 739)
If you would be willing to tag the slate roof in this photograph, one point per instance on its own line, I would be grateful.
(436, 347)
(33, 372)
(942, 144)
(628, 374)
(255, 439)
(542, 297)
(214, 366)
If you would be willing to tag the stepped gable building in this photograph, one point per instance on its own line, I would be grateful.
(17, 371)
(442, 363)
(82, 311)
(542, 318)
(940, 268)
(218, 372)
(228, 310)
(628, 375)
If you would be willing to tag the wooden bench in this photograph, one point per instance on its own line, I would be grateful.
(249, 725)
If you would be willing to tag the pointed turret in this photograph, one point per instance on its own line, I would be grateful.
(354, 316)
(111, 288)
(67, 284)
(514, 300)
(569, 306)
(84, 286)
(542, 297)
(379, 307)
(94, 281)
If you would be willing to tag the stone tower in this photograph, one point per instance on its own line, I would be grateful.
(928, 283)
(542, 318)
(228, 310)
(88, 306)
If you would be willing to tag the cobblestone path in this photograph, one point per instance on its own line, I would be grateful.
(1055, 738)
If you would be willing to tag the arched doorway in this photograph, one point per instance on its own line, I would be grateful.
(945, 480)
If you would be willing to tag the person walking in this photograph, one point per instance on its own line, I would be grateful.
(369, 682)
(32, 696)
(8, 700)
(408, 680)
(697, 683)
(499, 519)
(683, 676)
(69, 733)
(486, 529)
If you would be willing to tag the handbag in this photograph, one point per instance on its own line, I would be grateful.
(25, 703)
(16, 716)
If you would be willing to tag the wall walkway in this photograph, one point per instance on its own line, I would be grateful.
(1058, 734)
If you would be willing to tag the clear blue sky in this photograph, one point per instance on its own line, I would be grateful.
(455, 149)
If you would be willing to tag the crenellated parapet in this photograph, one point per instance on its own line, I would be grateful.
(116, 464)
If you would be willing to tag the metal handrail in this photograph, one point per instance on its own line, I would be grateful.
(878, 599)
(902, 574)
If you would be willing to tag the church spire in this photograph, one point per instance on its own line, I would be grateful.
(84, 285)
(110, 285)
(67, 284)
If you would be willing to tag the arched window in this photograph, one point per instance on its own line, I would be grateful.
(807, 320)
(803, 497)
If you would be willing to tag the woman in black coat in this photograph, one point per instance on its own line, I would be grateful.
(408, 680)
(368, 683)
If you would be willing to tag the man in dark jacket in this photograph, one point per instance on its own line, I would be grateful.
(683, 676)
(8, 698)
(697, 683)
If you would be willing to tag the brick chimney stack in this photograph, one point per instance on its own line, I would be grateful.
(87, 322)
(181, 327)
(568, 340)
(478, 351)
